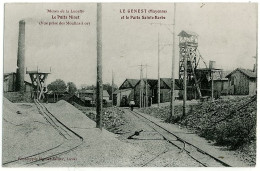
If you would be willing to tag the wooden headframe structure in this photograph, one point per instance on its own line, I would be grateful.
(38, 79)
(188, 44)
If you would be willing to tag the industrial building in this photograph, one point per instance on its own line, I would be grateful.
(89, 96)
(28, 83)
(15, 81)
(9, 82)
(242, 82)
(199, 82)
(130, 89)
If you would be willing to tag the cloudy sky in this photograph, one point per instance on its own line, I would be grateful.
(227, 35)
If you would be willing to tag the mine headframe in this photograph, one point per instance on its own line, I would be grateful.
(188, 45)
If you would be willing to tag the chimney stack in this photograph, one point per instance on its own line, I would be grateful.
(20, 57)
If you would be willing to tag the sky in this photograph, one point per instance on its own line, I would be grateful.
(227, 35)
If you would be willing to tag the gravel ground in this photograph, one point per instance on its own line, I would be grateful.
(100, 148)
(154, 150)
(108, 149)
(209, 147)
(24, 131)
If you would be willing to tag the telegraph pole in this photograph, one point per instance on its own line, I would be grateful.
(140, 92)
(112, 88)
(141, 86)
(99, 92)
(173, 61)
(158, 86)
(212, 86)
(146, 89)
(185, 85)
(256, 65)
(158, 71)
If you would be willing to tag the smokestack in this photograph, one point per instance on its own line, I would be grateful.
(20, 57)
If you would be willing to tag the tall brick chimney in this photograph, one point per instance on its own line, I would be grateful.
(20, 57)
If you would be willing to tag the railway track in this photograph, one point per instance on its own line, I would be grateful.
(71, 141)
(63, 130)
(197, 154)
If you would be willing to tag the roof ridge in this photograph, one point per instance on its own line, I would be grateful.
(246, 72)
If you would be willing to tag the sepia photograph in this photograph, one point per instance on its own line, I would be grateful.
(145, 84)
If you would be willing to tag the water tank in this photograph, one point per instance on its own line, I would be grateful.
(212, 64)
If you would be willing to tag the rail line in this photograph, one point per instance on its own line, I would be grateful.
(72, 141)
(65, 131)
(197, 154)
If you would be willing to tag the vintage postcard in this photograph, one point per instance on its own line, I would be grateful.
(129, 84)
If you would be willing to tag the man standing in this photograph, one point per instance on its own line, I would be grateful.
(131, 104)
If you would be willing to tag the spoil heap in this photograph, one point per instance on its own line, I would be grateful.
(112, 116)
(162, 112)
(226, 122)
(24, 131)
(230, 122)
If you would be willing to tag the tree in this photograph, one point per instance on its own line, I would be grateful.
(57, 86)
(108, 88)
(71, 87)
(87, 87)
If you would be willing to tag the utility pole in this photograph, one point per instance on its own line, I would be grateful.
(185, 85)
(158, 86)
(212, 86)
(256, 65)
(140, 91)
(99, 68)
(159, 98)
(173, 61)
(146, 89)
(112, 87)
(141, 86)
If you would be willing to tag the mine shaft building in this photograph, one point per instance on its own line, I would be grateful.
(200, 81)
(242, 82)
(205, 78)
